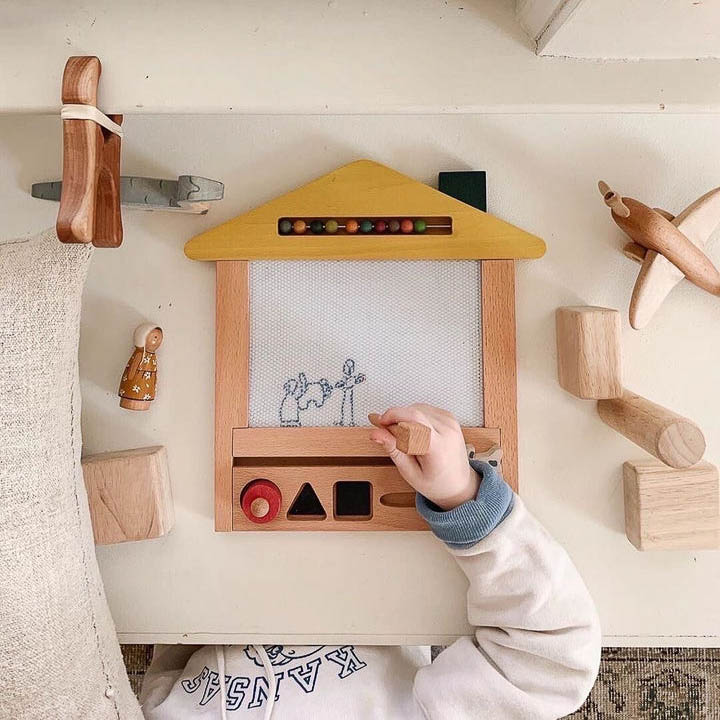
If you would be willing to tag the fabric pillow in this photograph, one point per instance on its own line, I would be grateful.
(59, 655)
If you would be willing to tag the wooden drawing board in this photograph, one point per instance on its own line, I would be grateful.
(338, 460)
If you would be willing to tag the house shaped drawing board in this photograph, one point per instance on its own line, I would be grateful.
(333, 477)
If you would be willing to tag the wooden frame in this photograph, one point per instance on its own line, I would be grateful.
(290, 456)
(234, 440)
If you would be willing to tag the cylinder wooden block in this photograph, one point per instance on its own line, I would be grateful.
(129, 495)
(670, 437)
(588, 351)
(667, 509)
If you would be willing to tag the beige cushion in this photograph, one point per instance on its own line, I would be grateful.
(59, 655)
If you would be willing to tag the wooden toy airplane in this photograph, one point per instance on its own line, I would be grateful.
(669, 248)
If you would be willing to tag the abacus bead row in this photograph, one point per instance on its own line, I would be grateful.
(317, 227)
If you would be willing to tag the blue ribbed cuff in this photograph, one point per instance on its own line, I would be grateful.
(470, 522)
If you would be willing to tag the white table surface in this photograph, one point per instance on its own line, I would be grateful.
(195, 585)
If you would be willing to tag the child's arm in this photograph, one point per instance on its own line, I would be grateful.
(536, 648)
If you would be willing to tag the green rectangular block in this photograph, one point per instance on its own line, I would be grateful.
(468, 186)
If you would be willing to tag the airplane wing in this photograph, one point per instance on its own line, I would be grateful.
(658, 276)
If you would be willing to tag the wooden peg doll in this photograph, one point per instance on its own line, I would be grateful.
(137, 387)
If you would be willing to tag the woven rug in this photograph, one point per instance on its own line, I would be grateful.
(634, 683)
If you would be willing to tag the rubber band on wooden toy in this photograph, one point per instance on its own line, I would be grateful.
(669, 248)
(411, 438)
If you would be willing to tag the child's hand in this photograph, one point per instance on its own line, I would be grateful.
(443, 475)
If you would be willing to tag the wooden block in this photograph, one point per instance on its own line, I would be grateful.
(672, 438)
(129, 494)
(671, 509)
(411, 438)
(588, 351)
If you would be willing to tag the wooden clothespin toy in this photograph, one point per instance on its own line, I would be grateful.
(90, 197)
(412, 438)
(669, 248)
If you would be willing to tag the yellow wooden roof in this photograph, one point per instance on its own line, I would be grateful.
(364, 189)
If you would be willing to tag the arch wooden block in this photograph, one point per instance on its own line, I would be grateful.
(588, 351)
(667, 509)
(129, 494)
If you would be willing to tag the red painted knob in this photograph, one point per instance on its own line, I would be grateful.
(261, 500)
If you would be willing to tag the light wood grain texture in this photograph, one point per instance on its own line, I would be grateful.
(613, 200)
(654, 231)
(108, 231)
(259, 507)
(129, 495)
(671, 438)
(232, 357)
(384, 479)
(499, 361)
(658, 276)
(667, 509)
(411, 438)
(635, 252)
(90, 196)
(302, 442)
(364, 189)
(588, 351)
(82, 149)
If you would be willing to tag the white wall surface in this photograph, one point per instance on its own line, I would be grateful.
(324, 57)
(632, 30)
(542, 169)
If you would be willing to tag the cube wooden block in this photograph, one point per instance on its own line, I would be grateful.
(669, 509)
(129, 494)
(588, 351)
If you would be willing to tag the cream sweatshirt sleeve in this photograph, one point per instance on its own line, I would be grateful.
(536, 647)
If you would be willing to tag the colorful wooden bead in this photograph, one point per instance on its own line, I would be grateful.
(331, 226)
(407, 226)
(285, 226)
(394, 225)
(316, 227)
(366, 226)
(380, 226)
(420, 226)
(351, 226)
(299, 226)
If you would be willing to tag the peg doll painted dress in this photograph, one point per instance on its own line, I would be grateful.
(137, 386)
